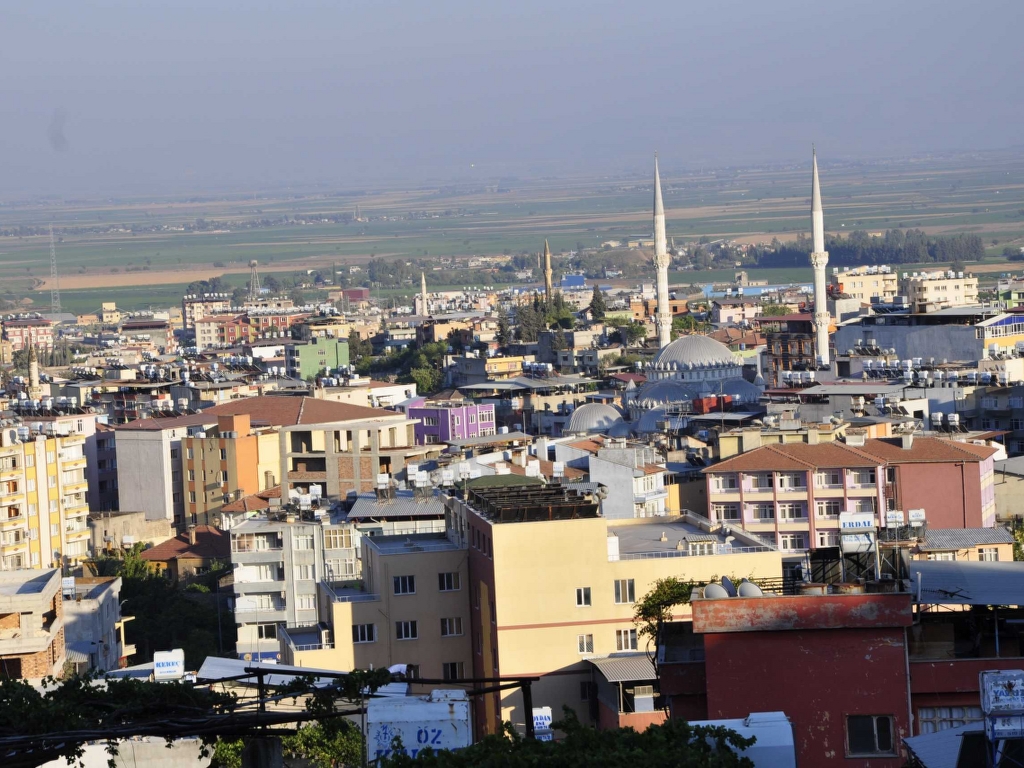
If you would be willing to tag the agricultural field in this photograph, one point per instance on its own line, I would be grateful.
(142, 252)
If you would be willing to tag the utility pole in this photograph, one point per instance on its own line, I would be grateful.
(54, 279)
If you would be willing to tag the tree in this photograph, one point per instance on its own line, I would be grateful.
(428, 380)
(672, 744)
(654, 610)
(358, 347)
(598, 306)
(559, 340)
(774, 310)
(634, 333)
(504, 334)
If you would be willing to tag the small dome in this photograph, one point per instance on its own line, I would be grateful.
(655, 393)
(592, 418)
(696, 351)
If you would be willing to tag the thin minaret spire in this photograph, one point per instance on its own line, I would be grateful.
(819, 260)
(548, 290)
(663, 317)
(423, 293)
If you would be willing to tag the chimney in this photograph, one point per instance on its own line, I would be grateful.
(268, 479)
(907, 440)
(192, 535)
(813, 436)
(679, 546)
(663, 537)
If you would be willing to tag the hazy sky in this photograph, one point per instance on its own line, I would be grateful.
(149, 96)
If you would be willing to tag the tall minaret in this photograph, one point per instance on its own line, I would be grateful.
(423, 294)
(548, 291)
(663, 318)
(35, 391)
(819, 260)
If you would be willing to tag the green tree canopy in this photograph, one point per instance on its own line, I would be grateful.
(598, 305)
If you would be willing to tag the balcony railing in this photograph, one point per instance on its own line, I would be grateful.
(686, 553)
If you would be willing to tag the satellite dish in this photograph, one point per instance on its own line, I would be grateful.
(728, 586)
(714, 591)
(749, 589)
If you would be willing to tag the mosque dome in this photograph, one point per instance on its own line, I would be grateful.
(655, 393)
(592, 418)
(694, 351)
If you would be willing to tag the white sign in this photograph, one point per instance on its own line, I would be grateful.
(383, 480)
(67, 586)
(893, 519)
(542, 719)
(439, 721)
(558, 469)
(857, 542)
(916, 515)
(447, 476)
(857, 520)
(1002, 691)
(169, 665)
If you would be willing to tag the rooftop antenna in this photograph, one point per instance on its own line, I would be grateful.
(55, 309)
(254, 281)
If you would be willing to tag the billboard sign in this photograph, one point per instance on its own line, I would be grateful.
(860, 521)
(916, 517)
(169, 665)
(893, 519)
(438, 721)
(1002, 691)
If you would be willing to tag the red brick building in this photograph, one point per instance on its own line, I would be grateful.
(25, 332)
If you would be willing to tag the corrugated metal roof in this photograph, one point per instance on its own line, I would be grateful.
(79, 653)
(402, 505)
(964, 538)
(624, 667)
(952, 582)
(940, 749)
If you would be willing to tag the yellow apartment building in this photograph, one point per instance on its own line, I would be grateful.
(544, 587)
(43, 498)
(866, 282)
(411, 608)
(223, 466)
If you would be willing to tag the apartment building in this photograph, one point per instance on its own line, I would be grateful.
(469, 369)
(228, 463)
(222, 330)
(43, 498)
(633, 481)
(25, 332)
(318, 355)
(792, 494)
(93, 625)
(575, 601)
(928, 291)
(865, 282)
(335, 450)
(281, 556)
(195, 307)
(411, 607)
(454, 418)
(31, 625)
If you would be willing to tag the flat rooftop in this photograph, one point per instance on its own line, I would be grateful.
(646, 538)
(402, 503)
(524, 504)
(24, 582)
(415, 542)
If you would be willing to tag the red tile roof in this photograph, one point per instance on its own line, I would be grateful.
(255, 502)
(278, 411)
(211, 544)
(927, 449)
(796, 457)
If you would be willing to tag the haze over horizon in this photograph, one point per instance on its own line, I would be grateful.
(118, 97)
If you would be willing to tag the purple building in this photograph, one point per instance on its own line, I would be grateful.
(445, 418)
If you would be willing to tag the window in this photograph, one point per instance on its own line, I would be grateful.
(829, 508)
(582, 597)
(405, 585)
(863, 476)
(412, 670)
(189, 454)
(869, 735)
(765, 513)
(306, 602)
(192, 497)
(792, 480)
(829, 478)
(339, 567)
(406, 630)
(625, 639)
(828, 538)
(1016, 424)
(364, 633)
(449, 582)
(988, 554)
(789, 510)
(788, 541)
(304, 572)
(697, 548)
(54, 529)
(303, 541)
(726, 511)
(430, 421)
(451, 627)
(266, 631)
(624, 591)
(585, 643)
(932, 719)
(223, 454)
(762, 481)
(472, 418)
(723, 482)
(452, 670)
(338, 538)
(942, 555)
(51, 481)
(191, 475)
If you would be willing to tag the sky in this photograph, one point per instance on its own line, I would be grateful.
(161, 97)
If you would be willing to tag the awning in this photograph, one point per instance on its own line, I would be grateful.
(79, 652)
(625, 667)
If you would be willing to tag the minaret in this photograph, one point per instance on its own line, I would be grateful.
(423, 294)
(819, 260)
(35, 391)
(548, 292)
(661, 261)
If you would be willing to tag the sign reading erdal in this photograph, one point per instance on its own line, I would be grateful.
(857, 520)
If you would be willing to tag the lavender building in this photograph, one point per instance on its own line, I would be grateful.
(443, 419)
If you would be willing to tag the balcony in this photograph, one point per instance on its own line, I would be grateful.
(10, 523)
(646, 496)
(9, 472)
(307, 638)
